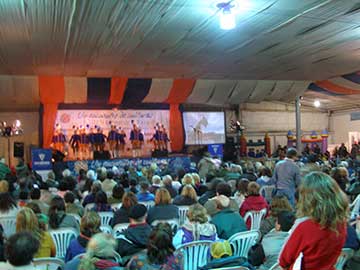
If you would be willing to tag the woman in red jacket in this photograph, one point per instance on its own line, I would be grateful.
(253, 202)
(319, 233)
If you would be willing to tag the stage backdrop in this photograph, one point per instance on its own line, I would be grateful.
(146, 119)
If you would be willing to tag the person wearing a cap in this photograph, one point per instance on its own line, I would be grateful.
(134, 239)
(226, 221)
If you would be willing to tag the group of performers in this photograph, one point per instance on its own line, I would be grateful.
(83, 144)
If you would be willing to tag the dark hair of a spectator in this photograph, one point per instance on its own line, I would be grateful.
(69, 197)
(118, 191)
(129, 200)
(35, 194)
(34, 206)
(224, 188)
(23, 195)
(160, 245)
(21, 248)
(214, 183)
(6, 202)
(110, 175)
(57, 204)
(100, 197)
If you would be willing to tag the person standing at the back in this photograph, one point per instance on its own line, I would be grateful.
(287, 176)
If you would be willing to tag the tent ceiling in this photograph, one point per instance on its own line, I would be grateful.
(274, 39)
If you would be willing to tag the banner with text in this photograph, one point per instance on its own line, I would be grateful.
(41, 159)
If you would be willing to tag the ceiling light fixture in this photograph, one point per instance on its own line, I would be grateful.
(317, 103)
(227, 17)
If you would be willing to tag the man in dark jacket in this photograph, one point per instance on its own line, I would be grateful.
(134, 239)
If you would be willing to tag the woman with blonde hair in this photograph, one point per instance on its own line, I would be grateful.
(163, 208)
(196, 228)
(188, 179)
(319, 233)
(187, 197)
(26, 220)
(100, 254)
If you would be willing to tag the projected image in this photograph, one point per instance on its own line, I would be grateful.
(204, 127)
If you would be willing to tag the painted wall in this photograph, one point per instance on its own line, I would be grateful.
(341, 125)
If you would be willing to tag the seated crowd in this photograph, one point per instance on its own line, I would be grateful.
(306, 215)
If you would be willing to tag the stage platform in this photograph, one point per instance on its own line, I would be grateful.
(174, 162)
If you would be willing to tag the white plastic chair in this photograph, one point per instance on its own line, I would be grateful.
(119, 228)
(106, 217)
(89, 206)
(9, 225)
(346, 253)
(355, 207)
(255, 218)
(62, 238)
(276, 266)
(174, 223)
(106, 229)
(267, 192)
(196, 254)
(242, 242)
(182, 214)
(116, 206)
(148, 204)
(48, 263)
(77, 217)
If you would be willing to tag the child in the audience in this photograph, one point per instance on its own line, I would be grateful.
(144, 195)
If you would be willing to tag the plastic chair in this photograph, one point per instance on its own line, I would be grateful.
(355, 207)
(255, 218)
(276, 266)
(77, 217)
(241, 242)
(48, 263)
(89, 206)
(148, 204)
(119, 228)
(346, 253)
(9, 225)
(62, 238)
(106, 217)
(174, 223)
(182, 214)
(196, 254)
(231, 268)
(267, 192)
(106, 229)
(116, 206)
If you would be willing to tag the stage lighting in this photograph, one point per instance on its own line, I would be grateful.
(317, 103)
(227, 20)
(17, 123)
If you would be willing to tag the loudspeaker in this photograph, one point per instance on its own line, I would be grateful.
(159, 153)
(229, 150)
(19, 149)
(102, 155)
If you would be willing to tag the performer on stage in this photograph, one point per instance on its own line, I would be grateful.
(58, 139)
(120, 146)
(100, 140)
(112, 139)
(156, 138)
(137, 140)
(84, 144)
(91, 137)
(164, 139)
(75, 143)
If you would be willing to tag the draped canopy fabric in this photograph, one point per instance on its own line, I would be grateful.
(75, 90)
(118, 87)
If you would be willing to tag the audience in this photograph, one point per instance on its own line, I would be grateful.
(122, 214)
(340, 175)
(160, 252)
(35, 195)
(108, 184)
(144, 195)
(156, 184)
(241, 191)
(196, 228)
(167, 183)
(71, 206)
(226, 221)
(58, 217)
(8, 205)
(163, 209)
(117, 194)
(253, 202)
(90, 198)
(101, 202)
(89, 226)
(187, 197)
(221, 189)
(100, 254)
(134, 239)
(265, 177)
(320, 232)
(20, 250)
(26, 220)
